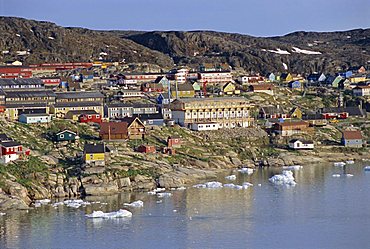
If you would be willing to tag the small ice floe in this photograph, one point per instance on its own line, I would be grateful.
(348, 175)
(350, 162)
(162, 195)
(247, 184)
(136, 204)
(231, 177)
(118, 214)
(248, 171)
(234, 186)
(175, 211)
(72, 203)
(209, 185)
(336, 175)
(2, 214)
(285, 178)
(155, 191)
(367, 168)
(159, 201)
(339, 164)
(294, 167)
(39, 203)
(181, 188)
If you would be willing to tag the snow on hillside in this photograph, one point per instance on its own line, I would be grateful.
(303, 51)
(277, 51)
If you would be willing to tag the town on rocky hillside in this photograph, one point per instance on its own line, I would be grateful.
(81, 119)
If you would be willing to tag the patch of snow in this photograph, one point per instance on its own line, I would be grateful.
(18, 35)
(22, 52)
(134, 51)
(103, 53)
(231, 178)
(209, 185)
(303, 51)
(348, 37)
(118, 214)
(336, 175)
(339, 164)
(248, 171)
(279, 51)
(2, 214)
(350, 162)
(51, 38)
(31, 30)
(294, 167)
(286, 178)
(162, 195)
(136, 204)
(285, 66)
(310, 44)
(5, 52)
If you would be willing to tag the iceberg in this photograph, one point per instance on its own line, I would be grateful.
(209, 185)
(161, 195)
(231, 178)
(294, 167)
(349, 175)
(136, 204)
(339, 164)
(335, 175)
(118, 214)
(248, 184)
(231, 185)
(248, 171)
(72, 203)
(286, 178)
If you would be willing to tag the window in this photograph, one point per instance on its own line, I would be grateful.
(61, 136)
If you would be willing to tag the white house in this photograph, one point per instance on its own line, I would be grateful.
(300, 144)
(211, 126)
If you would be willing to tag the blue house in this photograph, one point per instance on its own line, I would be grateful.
(271, 77)
(316, 77)
(295, 84)
(352, 139)
(345, 74)
(65, 135)
(34, 118)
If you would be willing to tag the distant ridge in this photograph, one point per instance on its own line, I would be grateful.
(302, 52)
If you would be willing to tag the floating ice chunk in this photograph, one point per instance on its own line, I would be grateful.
(209, 185)
(181, 188)
(42, 202)
(118, 214)
(2, 214)
(350, 162)
(348, 175)
(248, 171)
(335, 175)
(248, 184)
(159, 201)
(136, 204)
(286, 178)
(294, 167)
(72, 203)
(339, 164)
(229, 185)
(367, 168)
(231, 178)
(161, 195)
(159, 190)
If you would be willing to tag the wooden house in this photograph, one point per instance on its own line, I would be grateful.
(352, 139)
(10, 151)
(267, 112)
(135, 127)
(230, 89)
(145, 148)
(35, 118)
(286, 77)
(263, 88)
(301, 144)
(113, 131)
(65, 135)
(94, 154)
(295, 113)
(185, 90)
(90, 118)
(173, 141)
(290, 128)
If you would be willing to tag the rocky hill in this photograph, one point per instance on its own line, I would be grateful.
(296, 52)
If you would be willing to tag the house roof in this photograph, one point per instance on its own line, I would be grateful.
(130, 120)
(262, 87)
(30, 81)
(10, 144)
(159, 78)
(272, 109)
(149, 116)
(4, 137)
(352, 135)
(302, 141)
(75, 95)
(352, 110)
(185, 87)
(35, 115)
(78, 112)
(29, 93)
(287, 124)
(76, 104)
(94, 148)
(113, 128)
(66, 131)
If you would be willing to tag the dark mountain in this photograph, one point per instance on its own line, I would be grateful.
(300, 51)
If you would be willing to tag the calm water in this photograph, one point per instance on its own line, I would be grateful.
(319, 212)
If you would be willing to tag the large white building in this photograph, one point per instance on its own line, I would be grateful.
(215, 77)
(227, 112)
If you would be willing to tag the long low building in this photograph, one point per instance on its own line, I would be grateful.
(227, 112)
(62, 108)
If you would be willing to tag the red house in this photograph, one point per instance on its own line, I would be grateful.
(51, 81)
(12, 72)
(90, 118)
(10, 151)
(144, 148)
(173, 141)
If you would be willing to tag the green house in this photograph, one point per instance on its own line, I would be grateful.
(65, 135)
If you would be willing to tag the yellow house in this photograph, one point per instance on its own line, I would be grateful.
(286, 77)
(357, 79)
(94, 154)
(295, 113)
(61, 109)
(229, 89)
(183, 91)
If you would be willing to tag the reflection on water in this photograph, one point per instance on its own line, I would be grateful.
(319, 212)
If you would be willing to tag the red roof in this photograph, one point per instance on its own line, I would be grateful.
(352, 135)
(113, 128)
